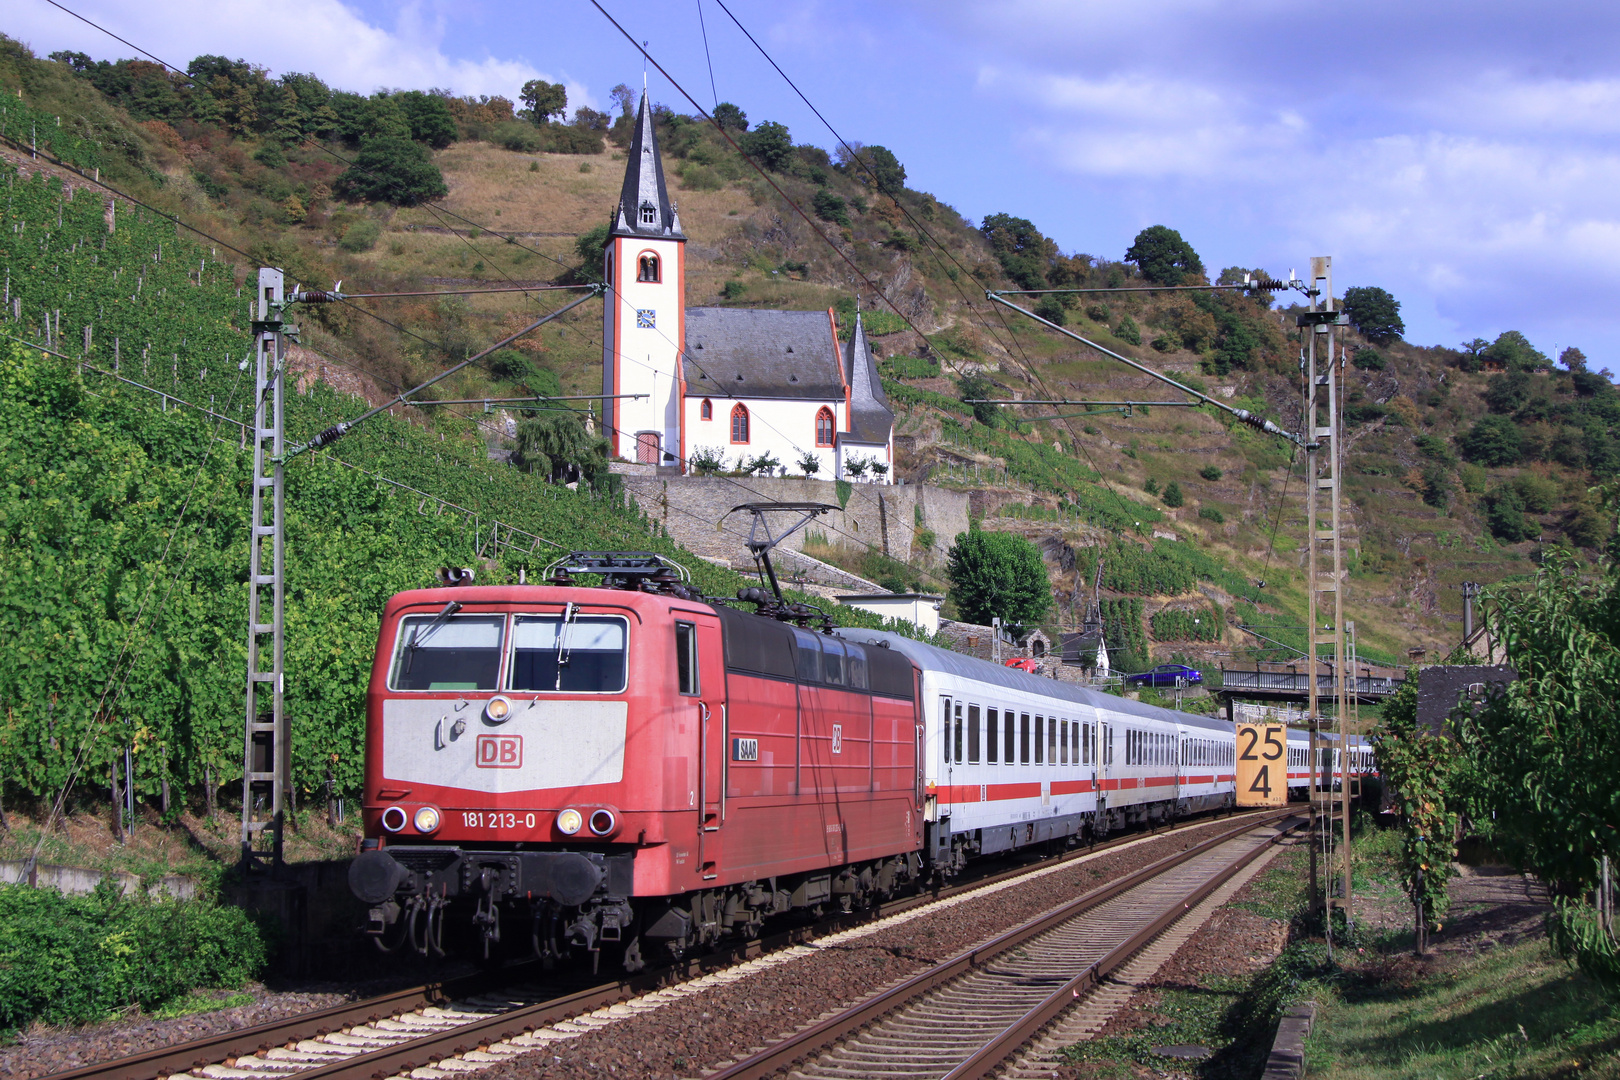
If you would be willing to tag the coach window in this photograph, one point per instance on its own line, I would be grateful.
(1023, 739)
(973, 734)
(1051, 740)
(686, 662)
(1063, 742)
(991, 717)
(647, 268)
(1074, 742)
(945, 726)
(1085, 745)
(958, 723)
(434, 652)
(579, 654)
(1040, 739)
(1009, 721)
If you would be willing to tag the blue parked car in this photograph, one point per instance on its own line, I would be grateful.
(1166, 675)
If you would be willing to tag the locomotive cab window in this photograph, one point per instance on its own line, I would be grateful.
(580, 654)
(435, 652)
(686, 659)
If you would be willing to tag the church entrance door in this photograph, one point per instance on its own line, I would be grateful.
(647, 448)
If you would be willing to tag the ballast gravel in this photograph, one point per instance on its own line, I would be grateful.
(40, 1051)
(727, 1021)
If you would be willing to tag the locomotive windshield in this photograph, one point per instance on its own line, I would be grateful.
(584, 654)
(455, 653)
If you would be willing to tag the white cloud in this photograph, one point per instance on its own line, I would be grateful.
(323, 37)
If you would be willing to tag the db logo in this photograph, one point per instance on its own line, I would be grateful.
(500, 751)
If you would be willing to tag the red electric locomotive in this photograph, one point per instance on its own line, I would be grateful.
(627, 763)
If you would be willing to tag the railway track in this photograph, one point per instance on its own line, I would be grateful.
(484, 1019)
(967, 1016)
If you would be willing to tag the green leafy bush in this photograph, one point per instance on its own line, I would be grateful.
(1369, 359)
(1173, 496)
(74, 960)
(1210, 472)
(392, 169)
(361, 236)
(1209, 513)
(733, 290)
(519, 136)
(1493, 441)
(1128, 332)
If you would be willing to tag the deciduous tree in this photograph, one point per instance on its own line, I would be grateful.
(998, 574)
(1374, 312)
(1164, 257)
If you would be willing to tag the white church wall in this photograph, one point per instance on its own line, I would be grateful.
(784, 428)
(849, 450)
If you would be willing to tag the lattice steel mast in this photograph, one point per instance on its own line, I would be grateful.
(267, 750)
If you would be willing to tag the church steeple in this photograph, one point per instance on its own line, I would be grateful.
(644, 205)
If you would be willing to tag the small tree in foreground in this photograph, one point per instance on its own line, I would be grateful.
(1542, 757)
(1418, 768)
(809, 463)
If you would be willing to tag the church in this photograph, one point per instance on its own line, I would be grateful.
(740, 383)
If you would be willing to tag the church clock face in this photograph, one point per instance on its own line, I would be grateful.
(646, 319)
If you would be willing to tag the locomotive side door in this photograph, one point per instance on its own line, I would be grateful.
(703, 681)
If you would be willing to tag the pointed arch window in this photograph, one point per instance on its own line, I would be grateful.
(739, 424)
(825, 425)
(649, 214)
(647, 268)
(706, 410)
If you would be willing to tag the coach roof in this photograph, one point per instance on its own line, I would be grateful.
(931, 658)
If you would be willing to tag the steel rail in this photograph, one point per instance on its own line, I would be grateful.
(818, 1036)
(990, 1057)
(211, 1050)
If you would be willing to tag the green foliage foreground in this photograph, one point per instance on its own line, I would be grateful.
(76, 959)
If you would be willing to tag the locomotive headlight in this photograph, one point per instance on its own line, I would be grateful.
(499, 709)
(393, 818)
(427, 819)
(569, 821)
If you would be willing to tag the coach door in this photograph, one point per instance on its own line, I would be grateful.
(1105, 758)
(698, 651)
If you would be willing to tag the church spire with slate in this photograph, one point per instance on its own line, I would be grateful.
(644, 205)
(871, 421)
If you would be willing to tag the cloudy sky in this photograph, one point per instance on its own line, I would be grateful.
(1460, 155)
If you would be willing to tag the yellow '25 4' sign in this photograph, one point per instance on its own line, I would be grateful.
(1262, 765)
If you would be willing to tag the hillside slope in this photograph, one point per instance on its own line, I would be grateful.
(1431, 501)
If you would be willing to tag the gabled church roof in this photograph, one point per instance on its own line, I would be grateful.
(644, 186)
(870, 418)
(777, 354)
